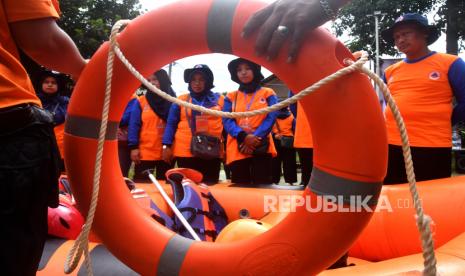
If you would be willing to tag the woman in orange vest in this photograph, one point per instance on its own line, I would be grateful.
(49, 93)
(283, 137)
(250, 148)
(183, 123)
(146, 127)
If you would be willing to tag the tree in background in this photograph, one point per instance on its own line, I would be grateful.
(89, 22)
(450, 17)
(354, 22)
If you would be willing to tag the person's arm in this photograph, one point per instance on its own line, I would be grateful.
(457, 82)
(42, 40)
(230, 124)
(174, 116)
(127, 113)
(298, 16)
(265, 127)
(293, 124)
(134, 126)
(292, 107)
(59, 115)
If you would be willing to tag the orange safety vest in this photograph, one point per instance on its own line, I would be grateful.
(151, 132)
(239, 101)
(284, 126)
(303, 133)
(59, 134)
(183, 136)
(424, 97)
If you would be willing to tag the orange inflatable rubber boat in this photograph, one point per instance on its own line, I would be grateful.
(389, 244)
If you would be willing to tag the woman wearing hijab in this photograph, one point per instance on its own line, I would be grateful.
(147, 123)
(183, 123)
(250, 147)
(49, 93)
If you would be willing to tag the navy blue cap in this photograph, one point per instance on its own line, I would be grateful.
(420, 20)
(204, 70)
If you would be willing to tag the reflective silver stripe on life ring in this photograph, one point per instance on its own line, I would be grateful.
(219, 26)
(89, 128)
(322, 183)
(170, 262)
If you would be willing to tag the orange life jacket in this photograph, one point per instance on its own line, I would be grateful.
(182, 138)
(59, 134)
(239, 102)
(151, 132)
(303, 133)
(283, 127)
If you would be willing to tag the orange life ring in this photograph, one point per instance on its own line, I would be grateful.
(350, 153)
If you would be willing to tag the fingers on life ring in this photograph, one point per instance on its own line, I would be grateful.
(347, 126)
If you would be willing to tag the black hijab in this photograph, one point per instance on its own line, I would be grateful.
(159, 105)
(246, 87)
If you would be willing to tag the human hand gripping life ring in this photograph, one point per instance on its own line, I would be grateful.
(350, 153)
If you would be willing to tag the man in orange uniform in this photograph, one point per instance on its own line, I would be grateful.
(28, 155)
(423, 86)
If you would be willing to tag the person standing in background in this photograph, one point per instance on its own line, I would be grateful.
(124, 153)
(303, 143)
(423, 86)
(146, 127)
(49, 93)
(250, 148)
(283, 137)
(183, 123)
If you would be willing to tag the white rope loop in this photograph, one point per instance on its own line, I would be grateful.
(423, 221)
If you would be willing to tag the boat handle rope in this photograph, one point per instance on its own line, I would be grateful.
(423, 221)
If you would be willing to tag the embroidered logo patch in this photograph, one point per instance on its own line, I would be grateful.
(262, 100)
(434, 75)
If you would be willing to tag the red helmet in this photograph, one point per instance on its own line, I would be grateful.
(65, 221)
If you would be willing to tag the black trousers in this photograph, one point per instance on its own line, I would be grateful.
(428, 163)
(253, 170)
(286, 159)
(124, 156)
(210, 169)
(306, 164)
(29, 170)
(160, 167)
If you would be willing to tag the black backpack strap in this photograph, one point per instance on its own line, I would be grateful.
(213, 215)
